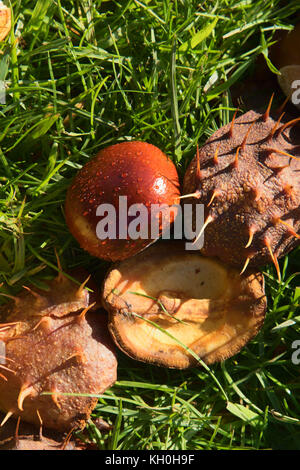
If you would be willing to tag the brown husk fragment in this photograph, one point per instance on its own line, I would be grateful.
(205, 305)
(31, 443)
(250, 189)
(54, 347)
(23, 436)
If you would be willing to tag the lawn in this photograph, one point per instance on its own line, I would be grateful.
(81, 75)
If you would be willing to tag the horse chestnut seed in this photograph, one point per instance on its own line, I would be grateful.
(137, 170)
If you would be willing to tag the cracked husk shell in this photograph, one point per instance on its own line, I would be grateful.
(167, 306)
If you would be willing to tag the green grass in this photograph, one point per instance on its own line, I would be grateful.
(82, 75)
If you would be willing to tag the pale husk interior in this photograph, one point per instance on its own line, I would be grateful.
(195, 302)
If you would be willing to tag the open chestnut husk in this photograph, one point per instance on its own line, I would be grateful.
(56, 356)
(167, 306)
(246, 176)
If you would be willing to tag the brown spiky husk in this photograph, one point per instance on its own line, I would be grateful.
(53, 355)
(257, 190)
